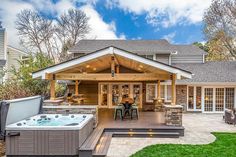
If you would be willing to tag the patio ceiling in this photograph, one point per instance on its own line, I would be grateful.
(89, 67)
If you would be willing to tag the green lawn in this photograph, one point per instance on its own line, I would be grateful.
(224, 146)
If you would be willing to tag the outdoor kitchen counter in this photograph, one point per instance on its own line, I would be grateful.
(73, 109)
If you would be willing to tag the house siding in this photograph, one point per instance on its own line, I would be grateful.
(2, 43)
(187, 59)
(13, 58)
(163, 58)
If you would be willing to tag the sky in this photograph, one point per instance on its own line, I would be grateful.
(178, 21)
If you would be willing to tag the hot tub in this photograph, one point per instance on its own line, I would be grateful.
(48, 134)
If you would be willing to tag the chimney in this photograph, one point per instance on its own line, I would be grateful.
(3, 42)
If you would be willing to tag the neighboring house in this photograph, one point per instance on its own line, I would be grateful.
(200, 85)
(9, 56)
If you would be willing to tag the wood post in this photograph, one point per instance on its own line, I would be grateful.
(159, 89)
(52, 89)
(173, 92)
(76, 87)
(117, 69)
(112, 66)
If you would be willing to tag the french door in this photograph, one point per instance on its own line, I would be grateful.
(216, 99)
(194, 98)
(111, 94)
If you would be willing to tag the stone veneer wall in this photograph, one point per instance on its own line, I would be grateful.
(181, 96)
(173, 115)
(81, 110)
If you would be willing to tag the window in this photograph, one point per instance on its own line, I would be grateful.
(198, 98)
(191, 97)
(162, 91)
(169, 92)
(150, 92)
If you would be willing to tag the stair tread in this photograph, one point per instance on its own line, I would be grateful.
(103, 145)
(92, 140)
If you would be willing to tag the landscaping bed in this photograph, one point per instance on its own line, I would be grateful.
(223, 146)
(2, 148)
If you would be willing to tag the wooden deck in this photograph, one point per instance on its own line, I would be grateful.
(146, 120)
(149, 124)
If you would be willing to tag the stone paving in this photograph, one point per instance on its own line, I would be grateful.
(198, 128)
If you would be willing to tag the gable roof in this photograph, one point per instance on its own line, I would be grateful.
(141, 47)
(112, 51)
(214, 71)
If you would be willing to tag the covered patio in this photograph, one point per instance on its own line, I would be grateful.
(108, 75)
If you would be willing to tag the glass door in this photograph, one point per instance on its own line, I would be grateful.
(194, 98)
(137, 89)
(104, 95)
(219, 100)
(115, 94)
(125, 91)
(208, 100)
(229, 98)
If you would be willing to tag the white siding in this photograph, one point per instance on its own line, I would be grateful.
(13, 58)
(2, 43)
(164, 58)
(187, 59)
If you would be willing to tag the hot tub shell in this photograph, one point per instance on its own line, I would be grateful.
(47, 142)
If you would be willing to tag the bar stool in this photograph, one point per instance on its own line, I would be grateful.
(134, 109)
(118, 110)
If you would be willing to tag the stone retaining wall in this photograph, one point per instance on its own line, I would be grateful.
(68, 110)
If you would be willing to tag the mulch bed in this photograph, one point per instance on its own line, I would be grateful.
(2, 148)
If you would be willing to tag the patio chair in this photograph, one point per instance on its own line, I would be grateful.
(134, 109)
(230, 116)
(119, 109)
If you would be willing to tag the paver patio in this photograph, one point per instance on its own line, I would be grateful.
(198, 128)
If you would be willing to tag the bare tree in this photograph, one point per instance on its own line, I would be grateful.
(220, 18)
(34, 31)
(54, 39)
(72, 26)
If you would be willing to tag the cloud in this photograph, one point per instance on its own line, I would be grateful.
(99, 28)
(166, 13)
(8, 11)
(170, 37)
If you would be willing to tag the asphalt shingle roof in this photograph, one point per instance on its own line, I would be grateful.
(142, 47)
(221, 71)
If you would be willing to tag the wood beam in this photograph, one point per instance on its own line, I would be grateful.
(159, 89)
(48, 76)
(173, 92)
(108, 77)
(76, 87)
(52, 89)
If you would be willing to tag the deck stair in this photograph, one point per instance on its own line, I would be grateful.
(98, 143)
